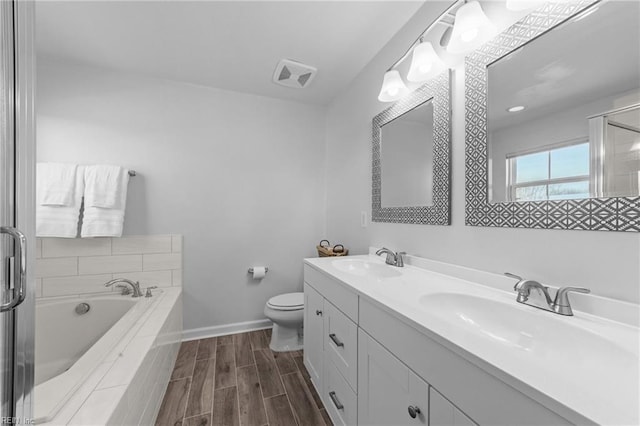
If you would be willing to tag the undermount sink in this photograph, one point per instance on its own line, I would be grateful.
(544, 336)
(363, 268)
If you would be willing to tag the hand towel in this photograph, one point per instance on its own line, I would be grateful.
(106, 222)
(61, 221)
(55, 185)
(103, 184)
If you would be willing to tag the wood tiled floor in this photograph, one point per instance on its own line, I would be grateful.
(238, 380)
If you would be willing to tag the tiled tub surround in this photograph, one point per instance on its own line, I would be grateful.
(69, 266)
(127, 385)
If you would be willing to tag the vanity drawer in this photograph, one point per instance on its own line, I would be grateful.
(339, 399)
(341, 343)
(331, 289)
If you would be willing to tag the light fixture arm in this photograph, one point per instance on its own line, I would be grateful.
(450, 12)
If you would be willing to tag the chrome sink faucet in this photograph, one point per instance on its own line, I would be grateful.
(393, 259)
(135, 286)
(533, 293)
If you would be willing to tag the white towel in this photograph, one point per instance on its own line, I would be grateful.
(103, 184)
(106, 222)
(56, 183)
(61, 221)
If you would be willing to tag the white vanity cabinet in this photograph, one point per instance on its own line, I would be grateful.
(331, 344)
(390, 393)
(444, 413)
(313, 334)
(371, 367)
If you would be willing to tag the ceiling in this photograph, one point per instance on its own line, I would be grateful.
(579, 62)
(232, 45)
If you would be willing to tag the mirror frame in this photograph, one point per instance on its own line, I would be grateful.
(596, 214)
(439, 212)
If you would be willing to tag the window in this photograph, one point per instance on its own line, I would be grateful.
(555, 173)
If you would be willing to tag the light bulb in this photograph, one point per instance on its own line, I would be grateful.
(425, 63)
(469, 35)
(425, 68)
(517, 5)
(471, 29)
(393, 88)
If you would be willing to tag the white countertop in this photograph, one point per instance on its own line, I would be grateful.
(599, 382)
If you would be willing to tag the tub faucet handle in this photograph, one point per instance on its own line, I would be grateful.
(148, 293)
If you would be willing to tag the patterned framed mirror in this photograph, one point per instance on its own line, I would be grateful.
(411, 157)
(543, 107)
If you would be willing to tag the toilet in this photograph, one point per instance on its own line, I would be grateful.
(287, 313)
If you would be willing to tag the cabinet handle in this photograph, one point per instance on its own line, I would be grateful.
(414, 411)
(338, 343)
(336, 401)
(319, 313)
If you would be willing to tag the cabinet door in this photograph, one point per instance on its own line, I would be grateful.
(444, 413)
(313, 334)
(388, 392)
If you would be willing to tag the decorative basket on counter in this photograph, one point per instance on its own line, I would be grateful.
(325, 250)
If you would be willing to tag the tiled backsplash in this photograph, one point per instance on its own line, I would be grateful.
(82, 265)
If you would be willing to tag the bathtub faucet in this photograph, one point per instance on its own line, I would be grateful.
(134, 285)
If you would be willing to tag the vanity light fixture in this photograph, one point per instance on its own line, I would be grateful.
(425, 63)
(393, 88)
(471, 29)
(516, 108)
(517, 5)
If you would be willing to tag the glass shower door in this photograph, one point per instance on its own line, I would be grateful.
(12, 241)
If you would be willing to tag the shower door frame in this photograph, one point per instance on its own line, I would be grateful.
(18, 177)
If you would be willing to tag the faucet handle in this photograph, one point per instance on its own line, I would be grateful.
(399, 259)
(561, 303)
(148, 293)
(517, 277)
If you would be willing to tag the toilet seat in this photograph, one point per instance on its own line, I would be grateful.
(287, 302)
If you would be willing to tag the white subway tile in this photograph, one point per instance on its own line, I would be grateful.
(38, 282)
(110, 264)
(176, 243)
(56, 267)
(158, 262)
(142, 244)
(38, 248)
(78, 284)
(61, 247)
(177, 277)
(151, 278)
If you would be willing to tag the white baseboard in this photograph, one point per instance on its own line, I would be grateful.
(223, 330)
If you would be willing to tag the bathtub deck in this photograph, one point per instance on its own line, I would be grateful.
(238, 380)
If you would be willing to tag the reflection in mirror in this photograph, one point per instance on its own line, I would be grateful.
(563, 111)
(406, 157)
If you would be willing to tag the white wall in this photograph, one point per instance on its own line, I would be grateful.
(606, 262)
(239, 176)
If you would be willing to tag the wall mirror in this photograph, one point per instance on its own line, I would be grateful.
(411, 157)
(553, 120)
(406, 158)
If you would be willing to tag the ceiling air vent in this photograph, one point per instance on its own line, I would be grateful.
(293, 74)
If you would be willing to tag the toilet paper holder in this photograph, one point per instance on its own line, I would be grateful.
(250, 270)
